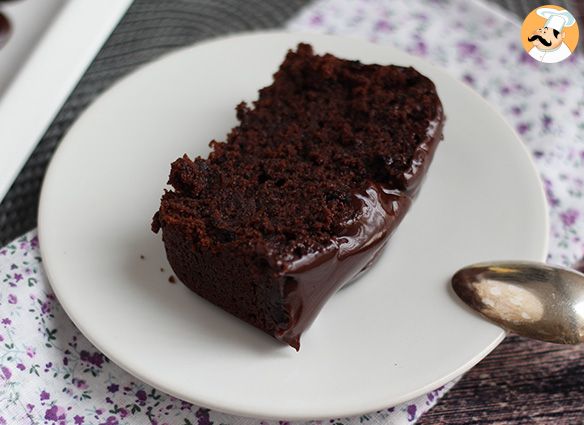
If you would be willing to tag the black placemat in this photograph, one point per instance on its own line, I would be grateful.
(148, 29)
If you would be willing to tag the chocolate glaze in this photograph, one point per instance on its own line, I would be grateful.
(314, 278)
(311, 280)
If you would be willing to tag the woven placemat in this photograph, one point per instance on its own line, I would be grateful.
(148, 29)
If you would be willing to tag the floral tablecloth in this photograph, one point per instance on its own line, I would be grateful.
(51, 374)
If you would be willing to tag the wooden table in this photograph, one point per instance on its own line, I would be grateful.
(521, 382)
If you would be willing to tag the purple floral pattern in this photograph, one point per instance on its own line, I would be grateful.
(51, 374)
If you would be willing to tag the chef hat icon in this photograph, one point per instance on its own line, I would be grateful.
(556, 19)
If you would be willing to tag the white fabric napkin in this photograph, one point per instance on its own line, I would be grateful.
(51, 374)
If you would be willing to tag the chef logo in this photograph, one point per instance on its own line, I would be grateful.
(549, 34)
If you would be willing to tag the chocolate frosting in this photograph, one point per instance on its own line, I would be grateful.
(311, 280)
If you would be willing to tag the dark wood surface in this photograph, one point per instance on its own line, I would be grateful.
(521, 382)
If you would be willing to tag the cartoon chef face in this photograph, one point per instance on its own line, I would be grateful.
(547, 38)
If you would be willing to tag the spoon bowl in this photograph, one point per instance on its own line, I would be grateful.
(532, 299)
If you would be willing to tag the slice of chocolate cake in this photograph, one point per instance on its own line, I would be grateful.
(304, 193)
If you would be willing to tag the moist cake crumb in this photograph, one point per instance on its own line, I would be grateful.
(305, 191)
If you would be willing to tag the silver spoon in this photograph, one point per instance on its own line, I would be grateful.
(532, 299)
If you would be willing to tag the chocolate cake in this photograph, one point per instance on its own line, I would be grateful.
(304, 193)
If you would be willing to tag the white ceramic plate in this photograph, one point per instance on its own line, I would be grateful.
(394, 335)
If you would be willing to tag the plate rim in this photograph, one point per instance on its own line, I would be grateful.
(251, 413)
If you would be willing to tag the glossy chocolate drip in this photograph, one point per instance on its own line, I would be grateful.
(4, 29)
(311, 280)
(314, 278)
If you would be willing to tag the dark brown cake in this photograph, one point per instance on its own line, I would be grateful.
(304, 193)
